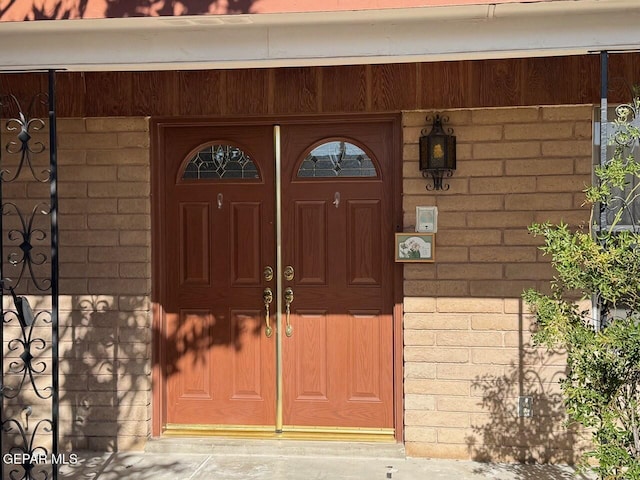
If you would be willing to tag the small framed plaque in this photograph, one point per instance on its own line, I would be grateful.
(414, 247)
(427, 219)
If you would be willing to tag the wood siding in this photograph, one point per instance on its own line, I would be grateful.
(359, 88)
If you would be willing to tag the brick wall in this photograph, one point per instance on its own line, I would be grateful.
(105, 271)
(468, 354)
(105, 324)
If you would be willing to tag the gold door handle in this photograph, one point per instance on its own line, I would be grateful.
(288, 300)
(288, 273)
(268, 273)
(267, 297)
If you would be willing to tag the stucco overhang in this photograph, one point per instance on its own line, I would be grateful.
(436, 33)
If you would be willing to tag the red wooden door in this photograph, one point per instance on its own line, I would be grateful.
(219, 234)
(337, 234)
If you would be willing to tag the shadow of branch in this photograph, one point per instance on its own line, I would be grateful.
(543, 438)
(73, 9)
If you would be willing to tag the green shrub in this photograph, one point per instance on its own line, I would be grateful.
(601, 389)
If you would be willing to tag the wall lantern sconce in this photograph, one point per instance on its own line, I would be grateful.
(437, 153)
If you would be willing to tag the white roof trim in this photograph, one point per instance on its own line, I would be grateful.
(306, 39)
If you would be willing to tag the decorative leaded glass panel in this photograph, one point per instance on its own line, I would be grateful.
(220, 162)
(337, 159)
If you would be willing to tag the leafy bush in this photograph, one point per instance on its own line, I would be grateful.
(601, 390)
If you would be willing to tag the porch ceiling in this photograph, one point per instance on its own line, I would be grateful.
(337, 38)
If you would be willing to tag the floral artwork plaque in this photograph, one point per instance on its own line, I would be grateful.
(415, 247)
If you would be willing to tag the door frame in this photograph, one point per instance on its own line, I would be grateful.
(158, 245)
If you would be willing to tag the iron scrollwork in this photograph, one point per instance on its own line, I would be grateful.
(29, 347)
(27, 447)
(24, 127)
(26, 235)
(624, 203)
(30, 360)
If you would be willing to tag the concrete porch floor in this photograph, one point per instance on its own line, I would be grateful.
(205, 459)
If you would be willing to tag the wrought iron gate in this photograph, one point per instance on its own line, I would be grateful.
(29, 275)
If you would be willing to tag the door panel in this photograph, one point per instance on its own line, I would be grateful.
(338, 234)
(195, 244)
(311, 263)
(366, 342)
(196, 379)
(213, 278)
(365, 249)
(246, 368)
(310, 356)
(246, 237)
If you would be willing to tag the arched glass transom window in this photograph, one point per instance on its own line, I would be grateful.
(337, 158)
(220, 162)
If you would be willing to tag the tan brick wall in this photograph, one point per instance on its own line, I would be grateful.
(105, 276)
(468, 353)
(105, 254)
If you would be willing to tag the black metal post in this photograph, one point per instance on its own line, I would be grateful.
(604, 87)
(53, 188)
(596, 311)
(2, 313)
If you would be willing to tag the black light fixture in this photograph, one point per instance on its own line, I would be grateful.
(437, 153)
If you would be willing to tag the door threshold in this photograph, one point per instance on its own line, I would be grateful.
(293, 432)
(274, 446)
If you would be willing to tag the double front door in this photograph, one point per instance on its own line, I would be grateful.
(277, 282)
